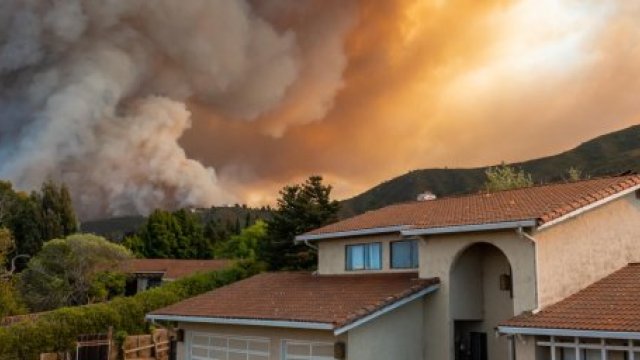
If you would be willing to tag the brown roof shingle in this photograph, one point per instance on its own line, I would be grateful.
(611, 304)
(173, 268)
(303, 297)
(542, 203)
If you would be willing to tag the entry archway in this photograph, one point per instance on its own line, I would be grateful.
(481, 295)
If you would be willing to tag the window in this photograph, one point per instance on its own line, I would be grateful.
(224, 347)
(303, 350)
(404, 254)
(568, 348)
(364, 256)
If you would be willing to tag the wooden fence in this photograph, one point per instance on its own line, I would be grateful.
(156, 346)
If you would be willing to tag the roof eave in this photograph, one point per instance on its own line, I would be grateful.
(537, 331)
(240, 321)
(503, 225)
(350, 233)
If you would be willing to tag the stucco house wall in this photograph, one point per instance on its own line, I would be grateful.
(397, 335)
(439, 253)
(332, 253)
(579, 251)
(276, 335)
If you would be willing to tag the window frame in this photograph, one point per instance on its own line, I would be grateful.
(367, 258)
(413, 248)
(311, 343)
(227, 337)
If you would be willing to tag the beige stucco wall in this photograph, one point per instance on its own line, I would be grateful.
(575, 253)
(331, 254)
(525, 347)
(438, 253)
(275, 334)
(397, 335)
(498, 304)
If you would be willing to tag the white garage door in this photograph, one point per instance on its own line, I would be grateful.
(204, 346)
(303, 350)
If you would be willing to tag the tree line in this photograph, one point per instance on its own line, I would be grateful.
(66, 268)
(183, 234)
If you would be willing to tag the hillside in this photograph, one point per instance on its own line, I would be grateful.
(609, 154)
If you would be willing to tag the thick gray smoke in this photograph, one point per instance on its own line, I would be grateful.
(93, 93)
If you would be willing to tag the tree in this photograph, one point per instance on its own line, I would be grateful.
(37, 217)
(6, 246)
(10, 301)
(575, 174)
(167, 235)
(64, 270)
(300, 208)
(57, 214)
(25, 224)
(505, 177)
(246, 245)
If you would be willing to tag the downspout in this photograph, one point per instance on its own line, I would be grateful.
(306, 242)
(511, 348)
(523, 233)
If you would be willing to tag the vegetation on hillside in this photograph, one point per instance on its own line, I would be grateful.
(186, 234)
(505, 177)
(248, 245)
(610, 154)
(225, 220)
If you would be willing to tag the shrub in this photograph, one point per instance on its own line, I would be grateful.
(57, 330)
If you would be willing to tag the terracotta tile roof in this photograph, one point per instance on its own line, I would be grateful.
(611, 304)
(173, 268)
(541, 203)
(300, 296)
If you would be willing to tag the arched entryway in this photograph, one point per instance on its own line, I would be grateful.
(481, 296)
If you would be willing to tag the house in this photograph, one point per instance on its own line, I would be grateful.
(449, 278)
(601, 321)
(147, 273)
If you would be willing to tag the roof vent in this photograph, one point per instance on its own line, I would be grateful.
(427, 196)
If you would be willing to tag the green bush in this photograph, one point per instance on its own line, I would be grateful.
(57, 330)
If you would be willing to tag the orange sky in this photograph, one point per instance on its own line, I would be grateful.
(434, 83)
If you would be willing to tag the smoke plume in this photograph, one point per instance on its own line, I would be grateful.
(93, 93)
(134, 103)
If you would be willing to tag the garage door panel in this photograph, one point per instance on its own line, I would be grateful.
(206, 346)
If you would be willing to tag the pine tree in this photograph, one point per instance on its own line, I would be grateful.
(301, 208)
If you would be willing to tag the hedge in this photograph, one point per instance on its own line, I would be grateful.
(56, 331)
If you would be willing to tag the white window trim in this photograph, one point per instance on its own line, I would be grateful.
(190, 334)
(576, 345)
(283, 346)
(366, 248)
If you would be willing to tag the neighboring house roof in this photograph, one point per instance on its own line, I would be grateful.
(609, 305)
(301, 300)
(532, 206)
(173, 269)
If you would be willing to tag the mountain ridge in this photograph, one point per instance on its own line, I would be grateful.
(608, 154)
